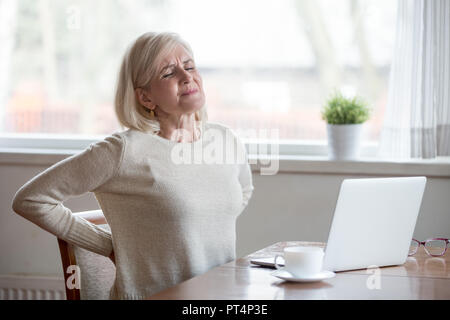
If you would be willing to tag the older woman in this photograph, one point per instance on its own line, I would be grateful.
(169, 221)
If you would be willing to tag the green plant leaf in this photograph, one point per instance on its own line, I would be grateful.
(342, 110)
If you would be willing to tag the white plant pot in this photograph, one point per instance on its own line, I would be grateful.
(344, 141)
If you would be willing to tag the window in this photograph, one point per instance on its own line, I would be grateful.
(265, 64)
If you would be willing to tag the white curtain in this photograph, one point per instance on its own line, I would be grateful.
(417, 116)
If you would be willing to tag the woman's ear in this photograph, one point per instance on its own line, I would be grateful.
(144, 98)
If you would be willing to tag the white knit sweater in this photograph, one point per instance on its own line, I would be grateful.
(170, 221)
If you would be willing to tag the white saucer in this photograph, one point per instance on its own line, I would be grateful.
(285, 275)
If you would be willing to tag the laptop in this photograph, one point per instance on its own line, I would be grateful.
(373, 223)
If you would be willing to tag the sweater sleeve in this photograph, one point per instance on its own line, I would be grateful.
(41, 199)
(245, 175)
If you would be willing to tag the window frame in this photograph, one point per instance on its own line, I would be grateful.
(64, 142)
(309, 157)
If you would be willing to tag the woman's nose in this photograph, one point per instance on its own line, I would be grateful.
(187, 76)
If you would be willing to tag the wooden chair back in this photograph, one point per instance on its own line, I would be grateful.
(67, 251)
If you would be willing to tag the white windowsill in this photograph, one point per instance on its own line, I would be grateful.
(363, 166)
(300, 156)
(312, 164)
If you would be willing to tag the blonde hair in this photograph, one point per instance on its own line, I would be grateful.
(139, 66)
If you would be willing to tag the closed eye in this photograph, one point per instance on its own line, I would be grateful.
(172, 73)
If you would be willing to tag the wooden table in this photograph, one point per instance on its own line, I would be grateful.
(421, 277)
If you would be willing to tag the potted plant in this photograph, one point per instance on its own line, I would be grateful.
(345, 118)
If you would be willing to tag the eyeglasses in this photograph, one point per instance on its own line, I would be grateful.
(434, 247)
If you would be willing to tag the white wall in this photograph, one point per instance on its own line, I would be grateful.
(286, 206)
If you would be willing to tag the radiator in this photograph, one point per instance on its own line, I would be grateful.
(21, 287)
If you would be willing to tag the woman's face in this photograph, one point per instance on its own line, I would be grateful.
(177, 88)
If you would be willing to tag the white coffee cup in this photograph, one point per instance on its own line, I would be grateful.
(301, 261)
